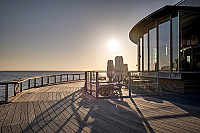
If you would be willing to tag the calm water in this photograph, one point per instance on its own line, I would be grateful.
(13, 75)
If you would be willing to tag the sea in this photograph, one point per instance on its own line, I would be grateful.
(14, 75)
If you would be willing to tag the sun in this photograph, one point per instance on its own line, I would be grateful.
(113, 45)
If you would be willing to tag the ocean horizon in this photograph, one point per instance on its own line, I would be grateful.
(14, 75)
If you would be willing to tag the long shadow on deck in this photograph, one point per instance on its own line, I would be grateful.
(187, 102)
(80, 112)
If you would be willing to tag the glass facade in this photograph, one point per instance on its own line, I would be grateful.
(178, 43)
(164, 45)
(145, 37)
(190, 41)
(175, 43)
(141, 54)
(152, 50)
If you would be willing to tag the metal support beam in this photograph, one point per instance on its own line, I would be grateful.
(42, 80)
(29, 84)
(129, 83)
(21, 87)
(60, 78)
(6, 92)
(34, 82)
(97, 84)
(91, 83)
(48, 80)
(86, 81)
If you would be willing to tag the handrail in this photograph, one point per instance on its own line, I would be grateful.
(21, 80)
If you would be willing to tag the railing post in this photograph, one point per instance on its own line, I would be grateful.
(55, 79)
(34, 82)
(48, 80)
(14, 90)
(91, 83)
(6, 92)
(97, 84)
(60, 78)
(42, 81)
(86, 81)
(29, 83)
(73, 76)
(67, 77)
(129, 83)
(21, 86)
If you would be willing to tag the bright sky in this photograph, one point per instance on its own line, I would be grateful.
(42, 35)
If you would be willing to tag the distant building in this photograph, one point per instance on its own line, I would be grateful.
(110, 69)
(117, 72)
(168, 41)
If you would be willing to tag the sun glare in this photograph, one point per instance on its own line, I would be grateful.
(113, 45)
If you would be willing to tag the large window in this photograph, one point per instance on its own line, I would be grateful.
(175, 43)
(164, 45)
(145, 37)
(190, 41)
(141, 54)
(152, 49)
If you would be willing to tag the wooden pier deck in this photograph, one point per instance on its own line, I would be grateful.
(66, 107)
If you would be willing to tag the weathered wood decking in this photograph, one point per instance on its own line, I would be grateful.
(67, 108)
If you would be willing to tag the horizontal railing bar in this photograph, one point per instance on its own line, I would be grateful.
(25, 79)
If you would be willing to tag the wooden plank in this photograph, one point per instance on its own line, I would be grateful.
(16, 129)
(55, 127)
(62, 95)
(149, 112)
(26, 128)
(6, 129)
(79, 120)
(55, 108)
(16, 117)
(37, 98)
(50, 110)
(31, 113)
(63, 125)
(4, 111)
(33, 95)
(58, 96)
(38, 112)
(45, 127)
(53, 95)
(45, 112)
(36, 128)
(71, 107)
(115, 121)
(11, 112)
(24, 112)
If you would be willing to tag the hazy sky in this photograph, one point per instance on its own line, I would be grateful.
(69, 34)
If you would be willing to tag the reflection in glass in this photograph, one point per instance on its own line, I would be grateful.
(152, 49)
(190, 41)
(164, 45)
(141, 54)
(175, 44)
(145, 37)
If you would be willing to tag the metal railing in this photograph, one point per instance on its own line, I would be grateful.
(98, 82)
(32, 82)
(145, 82)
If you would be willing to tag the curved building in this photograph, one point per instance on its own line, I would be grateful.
(168, 41)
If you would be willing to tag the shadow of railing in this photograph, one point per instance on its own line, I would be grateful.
(88, 114)
(142, 116)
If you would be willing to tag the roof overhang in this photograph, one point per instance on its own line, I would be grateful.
(136, 30)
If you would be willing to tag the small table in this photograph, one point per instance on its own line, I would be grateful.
(110, 88)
